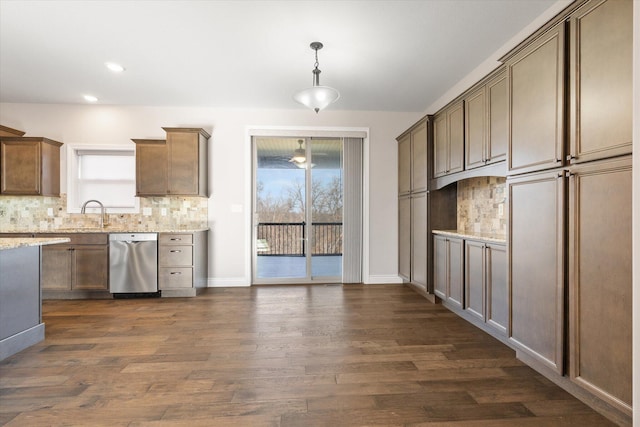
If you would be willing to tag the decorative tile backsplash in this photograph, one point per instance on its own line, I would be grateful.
(482, 205)
(31, 213)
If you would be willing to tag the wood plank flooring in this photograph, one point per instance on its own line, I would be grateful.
(322, 355)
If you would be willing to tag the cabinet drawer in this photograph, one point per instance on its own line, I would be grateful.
(175, 277)
(175, 255)
(176, 239)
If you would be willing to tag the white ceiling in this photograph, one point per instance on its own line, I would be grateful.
(380, 55)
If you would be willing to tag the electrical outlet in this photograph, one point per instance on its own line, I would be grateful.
(163, 211)
(50, 211)
(501, 210)
(146, 211)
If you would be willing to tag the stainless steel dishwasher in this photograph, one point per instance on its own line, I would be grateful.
(133, 264)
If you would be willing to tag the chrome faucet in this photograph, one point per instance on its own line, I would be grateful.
(103, 216)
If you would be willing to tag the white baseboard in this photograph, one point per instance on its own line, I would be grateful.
(382, 279)
(228, 282)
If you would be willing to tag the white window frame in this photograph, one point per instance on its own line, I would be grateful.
(73, 205)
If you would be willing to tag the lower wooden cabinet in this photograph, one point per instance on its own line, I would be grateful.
(182, 263)
(600, 282)
(80, 265)
(448, 269)
(485, 284)
(536, 268)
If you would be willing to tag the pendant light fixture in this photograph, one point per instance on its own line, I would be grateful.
(317, 97)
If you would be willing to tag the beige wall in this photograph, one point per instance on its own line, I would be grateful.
(230, 165)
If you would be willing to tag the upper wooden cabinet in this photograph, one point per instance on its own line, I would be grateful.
(486, 116)
(600, 76)
(448, 140)
(29, 166)
(176, 166)
(7, 131)
(151, 170)
(413, 155)
(535, 77)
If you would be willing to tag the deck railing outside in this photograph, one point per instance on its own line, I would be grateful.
(288, 238)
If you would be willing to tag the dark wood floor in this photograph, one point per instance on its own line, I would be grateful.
(275, 356)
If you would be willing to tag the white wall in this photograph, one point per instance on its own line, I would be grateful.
(95, 124)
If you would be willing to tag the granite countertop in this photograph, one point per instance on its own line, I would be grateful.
(486, 237)
(109, 230)
(17, 242)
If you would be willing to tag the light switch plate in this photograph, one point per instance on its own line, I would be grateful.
(163, 211)
(50, 211)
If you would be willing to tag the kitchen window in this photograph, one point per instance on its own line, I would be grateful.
(105, 173)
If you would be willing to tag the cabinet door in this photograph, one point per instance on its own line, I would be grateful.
(455, 119)
(419, 248)
(90, 267)
(475, 124)
(404, 241)
(497, 312)
(600, 283)
(151, 169)
(601, 79)
(536, 104)
(498, 118)
(440, 145)
(404, 165)
(419, 177)
(440, 268)
(474, 278)
(455, 258)
(183, 162)
(20, 167)
(536, 270)
(56, 267)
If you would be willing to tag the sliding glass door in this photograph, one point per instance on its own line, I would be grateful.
(297, 205)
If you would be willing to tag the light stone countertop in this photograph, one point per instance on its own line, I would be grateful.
(108, 230)
(17, 242)
(485, 237)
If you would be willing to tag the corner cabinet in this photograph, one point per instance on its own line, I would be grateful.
(182, 263)
(177, 166)
(29, 166)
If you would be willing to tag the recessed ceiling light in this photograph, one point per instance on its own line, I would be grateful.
(90, 98)
(116, 68)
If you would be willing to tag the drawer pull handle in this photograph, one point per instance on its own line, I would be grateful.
(175, 238)
(176, 272)
(175, 250)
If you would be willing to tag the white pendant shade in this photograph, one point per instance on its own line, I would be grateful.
(317, 97)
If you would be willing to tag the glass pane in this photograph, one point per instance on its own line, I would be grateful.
(326, 201)
(280, 208)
